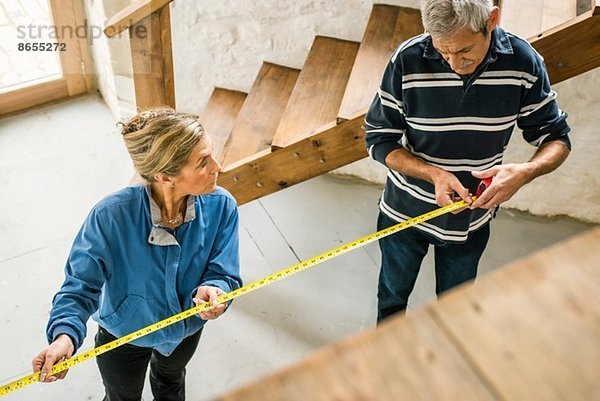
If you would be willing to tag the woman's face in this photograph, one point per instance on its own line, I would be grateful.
(199, 174)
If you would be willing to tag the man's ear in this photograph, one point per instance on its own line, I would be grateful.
(494, 19)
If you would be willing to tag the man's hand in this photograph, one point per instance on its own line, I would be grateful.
(62, 348)
(507, 180)
(447, 186)
(210, 294)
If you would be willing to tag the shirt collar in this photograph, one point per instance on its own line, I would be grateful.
(499, 44)
(158, 234)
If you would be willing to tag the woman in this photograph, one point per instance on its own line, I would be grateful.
(145, 253)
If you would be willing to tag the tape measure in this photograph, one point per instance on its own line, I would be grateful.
(306, 264)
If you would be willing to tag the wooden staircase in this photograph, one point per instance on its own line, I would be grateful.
(318, 94)
(260, 116)
(294, 125)
(219, 117)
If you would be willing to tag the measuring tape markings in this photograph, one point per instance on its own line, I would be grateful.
(306, 264)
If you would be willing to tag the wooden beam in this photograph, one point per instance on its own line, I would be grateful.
(76, 63)
(571, 48)
(152, 60)
(334, 146)
(130, 15)
(33, 96)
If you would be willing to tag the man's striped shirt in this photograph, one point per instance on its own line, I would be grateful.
(457, 123)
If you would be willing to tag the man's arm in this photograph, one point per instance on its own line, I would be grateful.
(509, 178)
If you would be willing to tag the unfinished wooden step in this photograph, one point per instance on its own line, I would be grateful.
(219, 116)
(529, 18)
(388, 26)
(317, 96)
(572, 48)
(261, 113)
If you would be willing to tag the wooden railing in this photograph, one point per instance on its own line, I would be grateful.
(149, 24)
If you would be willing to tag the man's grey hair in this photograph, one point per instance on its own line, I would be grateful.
(442, 17)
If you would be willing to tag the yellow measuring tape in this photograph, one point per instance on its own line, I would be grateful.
(77, 359)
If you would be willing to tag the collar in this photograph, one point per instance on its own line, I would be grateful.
(160, 235)
(499, 44)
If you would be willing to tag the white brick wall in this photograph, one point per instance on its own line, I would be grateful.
(224, 43)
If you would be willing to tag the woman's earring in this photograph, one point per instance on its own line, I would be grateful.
(172, 185)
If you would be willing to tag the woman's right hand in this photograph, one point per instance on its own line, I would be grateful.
(62, 348)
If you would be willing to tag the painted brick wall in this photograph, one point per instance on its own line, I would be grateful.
(224, 43)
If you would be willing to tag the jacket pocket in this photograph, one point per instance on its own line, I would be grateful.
(123, 311)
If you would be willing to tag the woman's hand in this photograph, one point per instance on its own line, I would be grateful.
(210, 294)
(62, 348)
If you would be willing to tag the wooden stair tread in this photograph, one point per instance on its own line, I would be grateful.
(529, 18)
(219, 116)
(388, 26)
(318, 93)
(571, 48)
(261, 113)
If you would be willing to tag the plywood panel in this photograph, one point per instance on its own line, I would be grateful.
(533, 328)
(405, 359)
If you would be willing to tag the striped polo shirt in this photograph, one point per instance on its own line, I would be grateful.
(457, 123)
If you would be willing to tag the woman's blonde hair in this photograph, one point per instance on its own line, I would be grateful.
(160, 140)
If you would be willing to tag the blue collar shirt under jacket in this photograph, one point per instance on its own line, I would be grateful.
(457, 123)
(129, 271)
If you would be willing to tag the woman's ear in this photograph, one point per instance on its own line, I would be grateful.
(164, 179)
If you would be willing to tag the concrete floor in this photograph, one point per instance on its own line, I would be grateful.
(57, 161)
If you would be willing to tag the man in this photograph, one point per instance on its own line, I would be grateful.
(440, 122)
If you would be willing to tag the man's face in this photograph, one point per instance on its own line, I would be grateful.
(463, 49)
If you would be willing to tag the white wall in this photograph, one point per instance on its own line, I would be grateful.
(224, 43)
(573, 189)
(112, 58)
